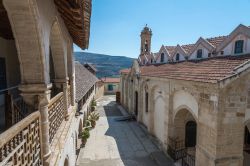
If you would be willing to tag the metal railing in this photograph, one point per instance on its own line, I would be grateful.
(188, 160)
(176, 149)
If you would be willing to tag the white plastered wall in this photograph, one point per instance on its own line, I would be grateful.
(204, 52)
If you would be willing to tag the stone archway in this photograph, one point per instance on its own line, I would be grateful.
(157, 113)
(29, 41)
(159, 118)
(185, 131)
(58, 51)
(246, 146)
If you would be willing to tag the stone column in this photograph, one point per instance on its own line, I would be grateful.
(37, 96)
(72, 90)
(43, 108)
(66, 104)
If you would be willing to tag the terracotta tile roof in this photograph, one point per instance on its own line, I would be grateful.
(124, 71)
(84, 80)
(110, 80)
(216, 41)
(188, 48)
(91, 66)
(209, 70)
(170, 49)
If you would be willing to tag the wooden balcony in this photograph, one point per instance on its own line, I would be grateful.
(69, 96)
(56, 114)
(14, 108)
(20, 144)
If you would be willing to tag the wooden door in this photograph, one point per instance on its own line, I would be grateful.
(190, 139)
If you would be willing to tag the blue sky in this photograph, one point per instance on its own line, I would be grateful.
(116, 24)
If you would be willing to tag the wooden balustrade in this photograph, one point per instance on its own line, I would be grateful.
(15, 107)
(69, 96)
(20, 144)
(17, 114)
(56, 114)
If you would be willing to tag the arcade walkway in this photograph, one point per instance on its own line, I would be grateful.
(114, 143)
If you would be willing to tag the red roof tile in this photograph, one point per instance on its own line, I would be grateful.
(188, 48)
(170, 49)
(124, 71)
(216, 41)
(110, 80)
(209, 70)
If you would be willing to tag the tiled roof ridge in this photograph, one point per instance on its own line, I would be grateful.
(230, 57)
(84, 80)
(210, 70)
(211, 38)
(188, 47)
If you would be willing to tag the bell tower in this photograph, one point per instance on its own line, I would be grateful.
(146, 35)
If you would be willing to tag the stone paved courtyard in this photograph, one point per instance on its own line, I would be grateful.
(116, 143)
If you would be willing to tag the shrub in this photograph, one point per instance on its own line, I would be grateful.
(93, 103)
(85, 135)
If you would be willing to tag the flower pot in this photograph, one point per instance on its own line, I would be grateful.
(84, 141)
(92, 108)
(93, 123)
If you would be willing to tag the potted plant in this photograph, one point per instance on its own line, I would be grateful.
(92, 121)
(85, 135)
(93, 117)
(88, 124)
(93, 105)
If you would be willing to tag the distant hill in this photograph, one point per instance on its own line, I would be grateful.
(106, 65)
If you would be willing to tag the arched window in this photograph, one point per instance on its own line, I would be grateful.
(177, 57)
(199, 53)
(162, 57)
(146, 46)
(238, 48)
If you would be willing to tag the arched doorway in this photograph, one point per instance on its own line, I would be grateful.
(182, 142)
(246, 149)
(190, 134)
(136, 103)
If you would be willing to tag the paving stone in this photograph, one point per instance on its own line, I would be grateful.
(116, 143)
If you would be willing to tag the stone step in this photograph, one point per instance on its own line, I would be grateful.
(161, 159)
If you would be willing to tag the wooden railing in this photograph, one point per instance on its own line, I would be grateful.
(15, 107)
(56, 114)
(20, 145)
(69, 95)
